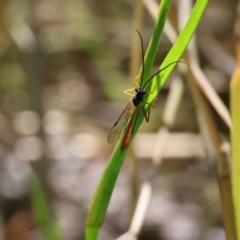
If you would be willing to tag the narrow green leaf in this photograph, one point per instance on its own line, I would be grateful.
(235, 140)
(41, 212)
(107, 182)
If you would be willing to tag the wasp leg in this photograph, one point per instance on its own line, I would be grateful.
(151, 105)
(146, 114)
(152, 90)
(136, 81)
(127, 92)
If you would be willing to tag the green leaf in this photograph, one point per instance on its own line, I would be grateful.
(107, 182)
(41, 212)
(235, 140)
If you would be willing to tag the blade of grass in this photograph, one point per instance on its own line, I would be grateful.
(41, 212)
(175, 52)
(235, 139)
(107, 182)
(235, 134)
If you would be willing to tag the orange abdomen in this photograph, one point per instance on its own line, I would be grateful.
(126, 138)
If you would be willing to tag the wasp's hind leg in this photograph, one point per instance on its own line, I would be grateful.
(151, 105)
(152, 90)
(146, 114)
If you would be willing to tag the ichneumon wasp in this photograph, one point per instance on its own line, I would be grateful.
(124, 126)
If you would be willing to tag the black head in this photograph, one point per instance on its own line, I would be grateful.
(140, 90)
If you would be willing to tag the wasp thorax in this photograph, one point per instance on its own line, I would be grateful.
(138, 97)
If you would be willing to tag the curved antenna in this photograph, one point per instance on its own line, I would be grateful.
(142, 57)
(159, 72)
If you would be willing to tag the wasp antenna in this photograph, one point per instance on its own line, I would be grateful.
(142, 56)
(160, 71)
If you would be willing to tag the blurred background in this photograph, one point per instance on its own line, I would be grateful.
(63, 68)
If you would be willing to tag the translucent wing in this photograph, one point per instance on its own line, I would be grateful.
(129, 129)
(120, 125)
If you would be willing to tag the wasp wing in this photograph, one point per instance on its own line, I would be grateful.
(120, 125)
(129, 128)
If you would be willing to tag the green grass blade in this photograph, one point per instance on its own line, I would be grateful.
(41, 212)
(109, 177)
(235, 140)
(107, 182)
(181, 43)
